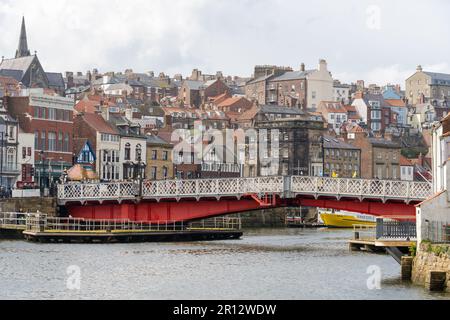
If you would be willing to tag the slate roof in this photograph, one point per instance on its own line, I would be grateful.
(15, 74)
(384, 143)
(194, 85)
(333, 143)
(155, 140)
(19, 64)
(438, 76)
(264, 78)
(55, 79)
(375, 97)
(293, 75)
(281, 110)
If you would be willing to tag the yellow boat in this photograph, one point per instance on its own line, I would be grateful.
(341, 220)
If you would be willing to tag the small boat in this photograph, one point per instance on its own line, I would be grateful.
(347, 219)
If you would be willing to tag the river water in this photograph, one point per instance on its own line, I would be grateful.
(269, 264)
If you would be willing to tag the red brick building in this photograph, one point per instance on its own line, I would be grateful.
(50, 119)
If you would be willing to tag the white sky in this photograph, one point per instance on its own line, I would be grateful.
(379, 41)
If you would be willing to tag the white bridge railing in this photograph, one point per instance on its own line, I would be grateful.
(238, 187)
(361, 188)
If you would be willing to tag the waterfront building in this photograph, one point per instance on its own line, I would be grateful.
(26, 160)
(341, 159)
(300, 141)
(104, 139)
(433, 215)
(84, 154)
(380, 157)
(133, 147)
(9, 144)
(50, 118)
(159, 159)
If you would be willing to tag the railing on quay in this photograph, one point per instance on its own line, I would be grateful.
(43, 224)
(396, 230)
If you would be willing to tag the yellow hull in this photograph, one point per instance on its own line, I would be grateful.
(343, 221)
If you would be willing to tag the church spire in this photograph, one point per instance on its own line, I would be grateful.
(22, 50)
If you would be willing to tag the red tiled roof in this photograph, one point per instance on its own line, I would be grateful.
(220, 98)
(404, 162)
(249, 114)
(350, 108)
(87, 106)
(354, 128)
(97, 122)
(230, 101)
(332, 107)
(396, 103)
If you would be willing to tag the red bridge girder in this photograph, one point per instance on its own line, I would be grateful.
(163, 211)
(186, 210)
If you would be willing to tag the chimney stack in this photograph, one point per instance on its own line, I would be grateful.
(302, 67)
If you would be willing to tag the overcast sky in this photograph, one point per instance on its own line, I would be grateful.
(378, 41)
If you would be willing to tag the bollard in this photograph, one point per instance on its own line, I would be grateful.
(436, 281)
(407, 266)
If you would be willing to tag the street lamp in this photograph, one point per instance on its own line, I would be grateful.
(42, 171)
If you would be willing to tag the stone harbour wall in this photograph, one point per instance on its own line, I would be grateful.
(274, 218)
(430, 264)
(43, 205)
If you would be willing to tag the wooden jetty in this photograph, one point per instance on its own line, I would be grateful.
(367, 238)
(41, 228)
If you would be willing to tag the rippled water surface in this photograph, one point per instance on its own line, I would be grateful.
(266, 264)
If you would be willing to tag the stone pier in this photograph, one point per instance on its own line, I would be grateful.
(431, 267)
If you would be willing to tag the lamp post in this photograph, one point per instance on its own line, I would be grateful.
(41, 171)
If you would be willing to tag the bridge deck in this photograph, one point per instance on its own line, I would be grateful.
(282, 187)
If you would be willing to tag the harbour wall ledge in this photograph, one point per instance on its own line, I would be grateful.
(431, 267)
(44, 205)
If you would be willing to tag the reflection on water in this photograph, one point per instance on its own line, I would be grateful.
(266, 264)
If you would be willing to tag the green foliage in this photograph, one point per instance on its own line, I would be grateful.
(414, 152)
(413, 250)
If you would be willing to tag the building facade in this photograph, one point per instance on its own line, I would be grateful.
(50, 119)
(425, 86)
(159, 159)
(341, 160)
